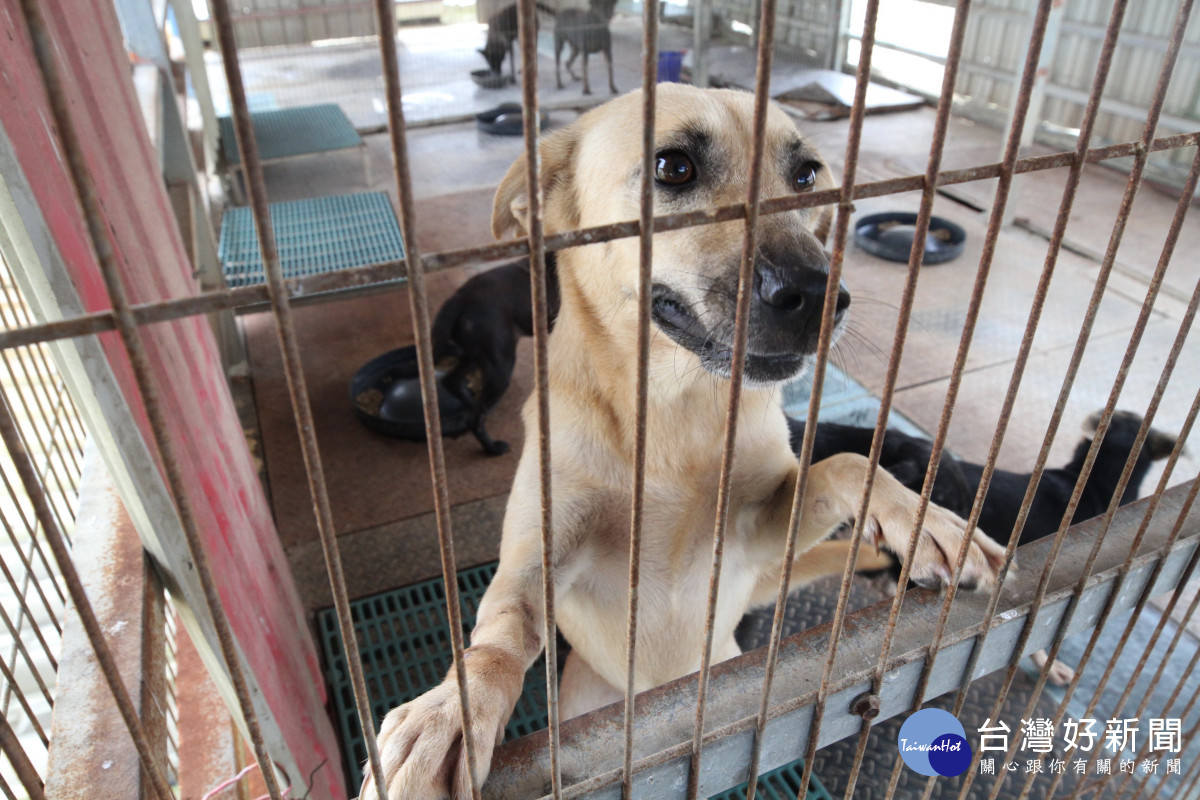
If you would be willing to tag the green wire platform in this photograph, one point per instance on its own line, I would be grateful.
(314, 236)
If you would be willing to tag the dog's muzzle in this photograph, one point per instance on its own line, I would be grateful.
(784, 328)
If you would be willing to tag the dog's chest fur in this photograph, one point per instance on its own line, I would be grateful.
(677, 534)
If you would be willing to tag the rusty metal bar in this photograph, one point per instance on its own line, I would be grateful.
(1164, 618)
(995, 224)
(766, 38)
(1181, 336)
(27, 411)
(527, 23)
(422, 323)
(1137, 610)
(85, 188)
(1191, 777)
(916, 259)
(293, 365)
(26, 773)
(20, 592)
(37, 358)
(645, 265)
(840, 236)
(11, 680)
(62, 557)
(34, 545)
(19, 648)
(1077, 356)
(1190, 737)
(21, 315)
(223, 299)
(1085, 131)
(590, 750)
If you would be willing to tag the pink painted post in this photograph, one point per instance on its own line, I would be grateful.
(231, 509)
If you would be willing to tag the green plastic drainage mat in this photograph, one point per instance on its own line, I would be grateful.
(287, 132)
(313, 236)
(404, 640)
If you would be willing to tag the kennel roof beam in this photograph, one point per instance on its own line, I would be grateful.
(591, 756)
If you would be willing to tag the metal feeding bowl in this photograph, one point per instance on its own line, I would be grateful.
(386, 395)
(505, 120)
(486, 79)
(890, 235)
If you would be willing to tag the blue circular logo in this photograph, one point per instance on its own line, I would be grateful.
(933, 742)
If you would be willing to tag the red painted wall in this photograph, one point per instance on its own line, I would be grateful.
(231, 509)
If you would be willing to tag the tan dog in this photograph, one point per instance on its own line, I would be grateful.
(591, 176)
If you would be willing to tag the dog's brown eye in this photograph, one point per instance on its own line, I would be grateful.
(805, 176)
(674, 168)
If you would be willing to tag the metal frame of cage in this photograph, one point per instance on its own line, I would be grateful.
(1167, 562)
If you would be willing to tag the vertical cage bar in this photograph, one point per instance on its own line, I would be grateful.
(1137, 610)
(1101, 282)
(85, 189)
(26, 773)
(251, 168)
(1180, 630)
(766, 39)
(422, 322)
(916, 259)
(62, 556)
(840, 236)
(1181, 336)
(527, 22)
(645, 263)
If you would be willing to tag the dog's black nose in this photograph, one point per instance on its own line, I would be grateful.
(789, 290)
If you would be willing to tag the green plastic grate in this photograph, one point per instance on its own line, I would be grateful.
(287, 132)
(313, 236)
(403, 637)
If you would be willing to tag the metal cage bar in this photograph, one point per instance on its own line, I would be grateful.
(251, 166)
(766, 38)
(135, 350)
(642, 389)
(280, 293)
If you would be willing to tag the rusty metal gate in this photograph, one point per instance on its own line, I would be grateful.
(719, 728)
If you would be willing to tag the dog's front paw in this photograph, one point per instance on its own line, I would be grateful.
(1059, 673)
(421, 743)
(889, 526)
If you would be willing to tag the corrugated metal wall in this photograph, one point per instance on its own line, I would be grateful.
(995, 46)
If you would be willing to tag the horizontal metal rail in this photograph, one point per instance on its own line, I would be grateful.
(590, 753)
(305, 288)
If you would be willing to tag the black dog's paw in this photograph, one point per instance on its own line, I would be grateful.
(496, 448)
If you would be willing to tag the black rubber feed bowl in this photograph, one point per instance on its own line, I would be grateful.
(386, 395)
(890, 235)
(486, 79)
(504, 120)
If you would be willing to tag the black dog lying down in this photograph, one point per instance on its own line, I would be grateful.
(907, 458)
(475, 335)
(957, 482)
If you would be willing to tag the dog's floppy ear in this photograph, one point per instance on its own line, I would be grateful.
(510, 209)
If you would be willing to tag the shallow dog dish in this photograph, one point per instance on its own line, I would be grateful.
(386, 395)
(890, 235)
(504, 120)
(486, 79)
